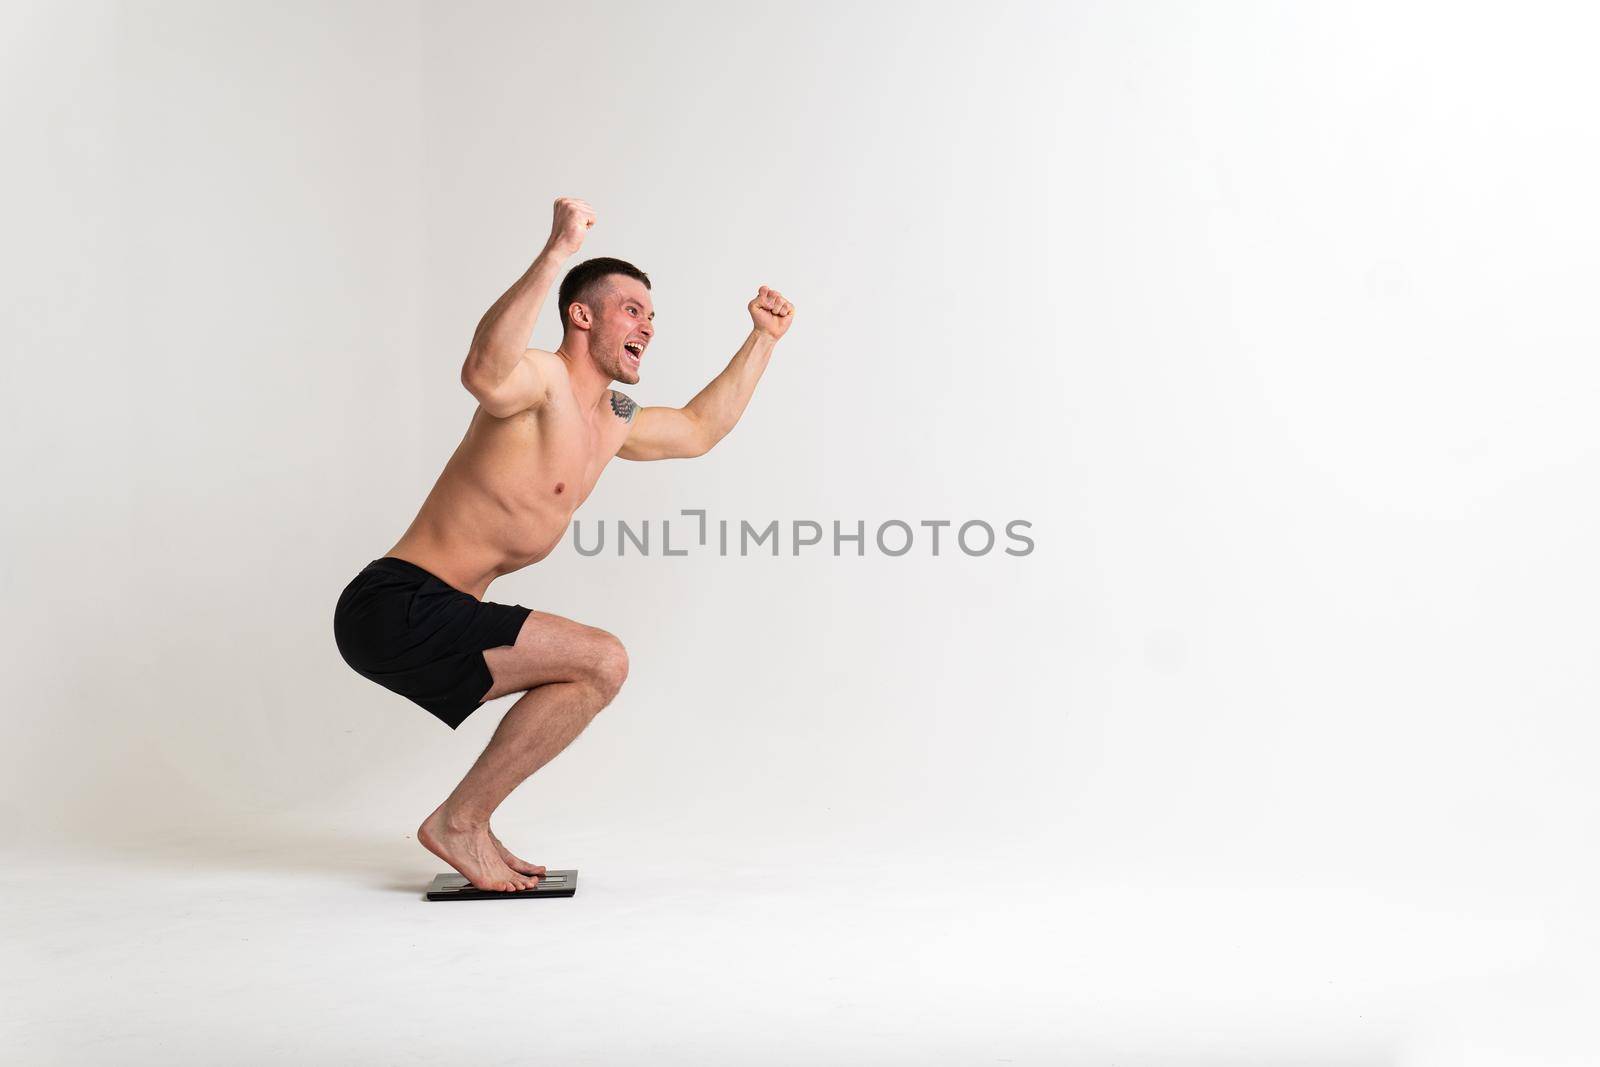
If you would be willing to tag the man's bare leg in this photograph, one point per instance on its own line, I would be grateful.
(534, 731)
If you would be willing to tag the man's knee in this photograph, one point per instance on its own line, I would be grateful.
(610, 667)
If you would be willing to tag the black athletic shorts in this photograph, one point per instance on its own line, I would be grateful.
(410, 632)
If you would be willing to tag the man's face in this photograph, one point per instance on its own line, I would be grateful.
(622, 328)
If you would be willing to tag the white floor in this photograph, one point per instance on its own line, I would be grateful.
(318, 947)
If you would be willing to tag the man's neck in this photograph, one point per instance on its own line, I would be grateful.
(589, 383)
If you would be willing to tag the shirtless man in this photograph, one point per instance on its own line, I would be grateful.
(546, 425)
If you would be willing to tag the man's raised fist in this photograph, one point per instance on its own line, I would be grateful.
(771, 313)
(571, 225)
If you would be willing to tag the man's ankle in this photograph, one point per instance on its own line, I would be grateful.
(462, 820)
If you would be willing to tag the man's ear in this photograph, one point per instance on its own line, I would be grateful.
(578, 315)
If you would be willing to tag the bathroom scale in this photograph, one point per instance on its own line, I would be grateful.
(453, 886)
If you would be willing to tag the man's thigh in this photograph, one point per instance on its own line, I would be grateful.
(549, 648)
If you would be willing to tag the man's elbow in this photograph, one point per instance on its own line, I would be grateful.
(495, 399)
(702, 438)
(481, 390)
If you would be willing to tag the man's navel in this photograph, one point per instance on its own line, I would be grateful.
(561, 487)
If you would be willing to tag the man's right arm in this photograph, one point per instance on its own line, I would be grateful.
(498, 371)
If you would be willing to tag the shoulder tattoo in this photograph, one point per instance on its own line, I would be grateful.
(622, 406)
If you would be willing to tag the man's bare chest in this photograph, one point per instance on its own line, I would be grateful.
(554, 454)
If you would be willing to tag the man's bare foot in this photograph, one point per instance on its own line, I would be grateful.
(471, 851)
(519, 865)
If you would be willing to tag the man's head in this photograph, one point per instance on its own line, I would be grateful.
(608, 301)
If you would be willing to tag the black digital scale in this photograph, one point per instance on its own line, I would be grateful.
(453, 886)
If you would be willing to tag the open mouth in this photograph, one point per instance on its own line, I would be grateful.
(635, 350)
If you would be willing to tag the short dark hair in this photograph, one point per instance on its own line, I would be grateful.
(584, 280)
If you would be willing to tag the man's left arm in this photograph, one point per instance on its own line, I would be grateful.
(679, 433)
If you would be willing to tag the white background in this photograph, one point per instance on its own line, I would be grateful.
(1276, 321)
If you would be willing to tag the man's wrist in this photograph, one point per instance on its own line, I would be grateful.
(554, 253)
